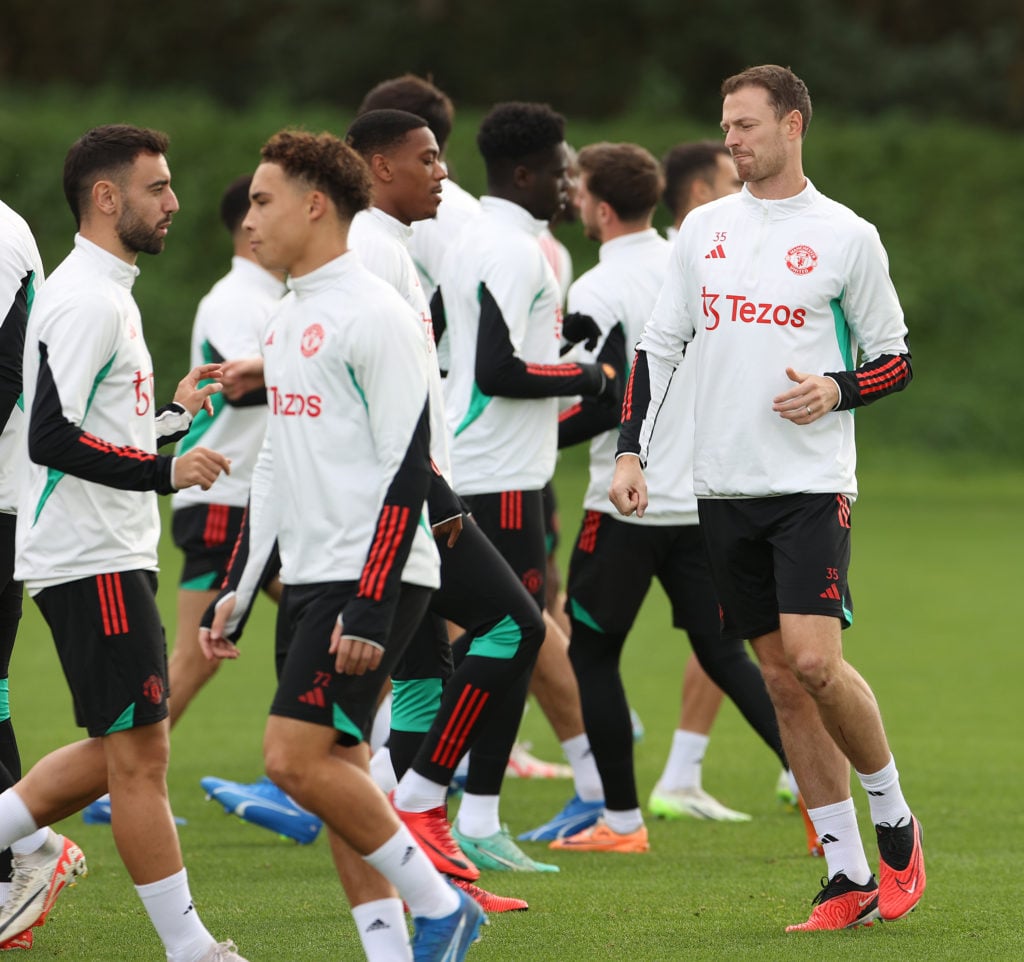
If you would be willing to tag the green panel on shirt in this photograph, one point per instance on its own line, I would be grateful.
(477, 404)
(53, 477)
(355, 383)
(5, 700)
(202, 421)
(843, 336)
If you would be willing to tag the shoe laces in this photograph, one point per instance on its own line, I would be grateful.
(437, 827)
(896, 842)
(225, 952)
(20, 880)
(839, 884)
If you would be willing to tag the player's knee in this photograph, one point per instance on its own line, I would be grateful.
(282, 769)
(815, 671)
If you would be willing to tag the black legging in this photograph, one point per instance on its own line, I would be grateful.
(595, 658)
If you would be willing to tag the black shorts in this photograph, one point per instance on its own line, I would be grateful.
(206, 534)
(552, 527)
(112, 648)
(788, 554)
(514, 523)
(613, 563)
(10, 601)
(308, 687)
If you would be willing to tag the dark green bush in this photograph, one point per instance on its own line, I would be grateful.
(946, 197)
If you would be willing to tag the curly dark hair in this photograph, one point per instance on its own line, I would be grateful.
(378, 131)
(512, 132)
(419, 96)
(786, 91)
(105, 152)
(624, 176)
(324, 163)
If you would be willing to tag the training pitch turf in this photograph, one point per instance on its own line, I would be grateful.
(935, 573)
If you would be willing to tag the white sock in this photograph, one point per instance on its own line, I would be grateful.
(584, 768)
(168, 903)
(5, 892)
(683, 766)
(624, 822)
(30, 843)
(478, 815)
(405, 865)
(418, 794)
(382, 930)
(15, 819)
(382, 771)
(885, 797)
(839, 835)
(791, 779)
(381, 728)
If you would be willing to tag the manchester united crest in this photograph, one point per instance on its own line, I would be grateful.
(312, 340)
(801, 259)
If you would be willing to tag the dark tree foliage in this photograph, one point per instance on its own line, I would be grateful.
(591, 59)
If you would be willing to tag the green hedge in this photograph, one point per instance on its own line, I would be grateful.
(946, 198)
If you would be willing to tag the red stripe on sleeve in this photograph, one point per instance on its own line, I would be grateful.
(883, 378)
(554, 370)
(570, 412)
(627, 398)
(394, 520)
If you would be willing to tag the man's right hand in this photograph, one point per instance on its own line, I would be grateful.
(241, 376)
(214, 645)
(199, 466)
(629, 487)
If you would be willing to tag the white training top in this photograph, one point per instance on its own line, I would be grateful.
(759, 286)
(347, 383)
(501, 443)
(381, 241)
(21, 269)
(621, 289)
(102, 379)
(559, 258)
(230, 323)
(431, 239)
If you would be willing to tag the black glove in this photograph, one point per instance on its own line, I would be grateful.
(578, 327)
(611, 388)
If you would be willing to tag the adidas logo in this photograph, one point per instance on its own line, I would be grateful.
(315, 696)
(716, 253)
(376, 925)
(825, 839)
(410, 851)
(832, 592)
(876, 794)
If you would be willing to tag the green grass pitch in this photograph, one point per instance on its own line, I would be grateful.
(936, 572)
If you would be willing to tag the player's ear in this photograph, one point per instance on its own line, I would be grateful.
(381, 168)
(105, 196)
(317, 204)
(522, 176)
(795, 123)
